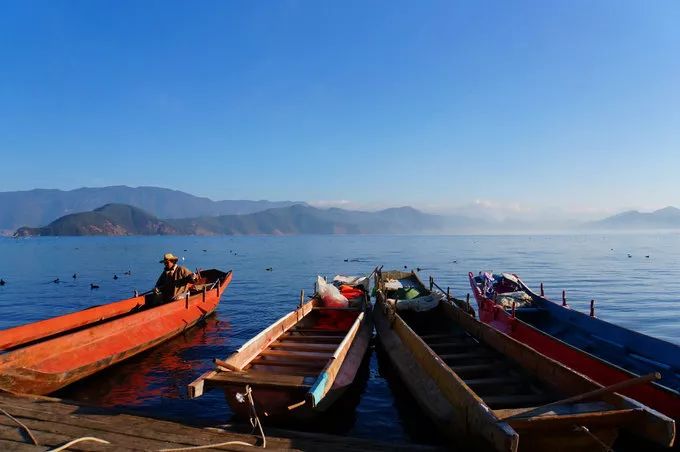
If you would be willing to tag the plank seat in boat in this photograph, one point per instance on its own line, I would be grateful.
(310, 338)
(297, 346)
(266, 379)
(325, 333)
(296, 355)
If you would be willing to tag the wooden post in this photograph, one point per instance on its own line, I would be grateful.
(564, 298)
(467, 301)
(431, 283)
(186, 300)
(448, 294)
(542, 292)
(513, 310)
(217, 288)
(592, 308)
(203, 294)
(302, 297)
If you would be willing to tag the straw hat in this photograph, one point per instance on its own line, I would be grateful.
(169, 257)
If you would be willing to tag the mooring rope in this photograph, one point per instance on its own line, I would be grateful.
(28, 430)
(78, 440)
(254, 422)
(583, 428)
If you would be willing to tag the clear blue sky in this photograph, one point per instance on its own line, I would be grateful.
(543, 103)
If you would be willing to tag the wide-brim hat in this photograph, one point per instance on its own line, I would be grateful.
(169, 257)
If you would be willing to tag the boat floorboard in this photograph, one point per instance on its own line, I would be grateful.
(496, 379)
(55, 422)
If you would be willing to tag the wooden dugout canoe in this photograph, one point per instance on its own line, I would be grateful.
(42, 357)
(299, 365)
(605, 352)
(482, 387)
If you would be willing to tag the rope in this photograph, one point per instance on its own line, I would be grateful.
(254, 422)
(583, 428)
(78, 440)
(28, 430)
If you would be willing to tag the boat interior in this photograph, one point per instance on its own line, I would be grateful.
(610, 343)
(494, 377)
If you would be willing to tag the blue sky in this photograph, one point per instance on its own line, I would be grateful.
(527, 105)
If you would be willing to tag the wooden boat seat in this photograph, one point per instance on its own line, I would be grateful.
(319, 331)
(297, 346)
(264, 379)
(297, 355)
(472, 354)
(471, 370)
(311, 338)
(502, 382)
(516, 400)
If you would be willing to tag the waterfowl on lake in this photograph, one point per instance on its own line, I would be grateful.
(93, 286)
(2, 282)
(56, 281)
(115, 276)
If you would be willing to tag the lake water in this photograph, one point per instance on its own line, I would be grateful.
(638, 292)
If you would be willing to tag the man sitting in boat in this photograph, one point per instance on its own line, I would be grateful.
(174, 282)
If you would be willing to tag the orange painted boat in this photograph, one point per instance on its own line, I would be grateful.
(42, 357)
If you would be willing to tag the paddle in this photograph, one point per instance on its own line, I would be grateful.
(595, 393)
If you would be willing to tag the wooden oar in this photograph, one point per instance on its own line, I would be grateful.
(595, 393)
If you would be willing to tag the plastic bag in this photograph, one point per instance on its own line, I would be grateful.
(330, 295)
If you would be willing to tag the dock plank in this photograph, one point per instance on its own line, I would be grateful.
(55, 422)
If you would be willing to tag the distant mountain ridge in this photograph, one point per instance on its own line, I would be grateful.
(42, 206)
(666, 218)
(120, 219)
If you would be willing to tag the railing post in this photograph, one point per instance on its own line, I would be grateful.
(542, 292)
(564, 298)
(302, 297)
(431, 283)
(592, 308)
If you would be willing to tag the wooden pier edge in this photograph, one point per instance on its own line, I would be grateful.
(55, 422)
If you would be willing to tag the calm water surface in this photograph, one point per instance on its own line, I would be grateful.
(637, 292)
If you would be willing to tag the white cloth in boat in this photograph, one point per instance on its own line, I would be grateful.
(356, 281)
(520, 298)
(510, 277)
(393, 284)
(420, 304)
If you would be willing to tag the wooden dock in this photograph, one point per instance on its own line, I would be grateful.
(54, 422)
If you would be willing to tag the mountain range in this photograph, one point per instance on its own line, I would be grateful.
(666, 218)
(121, 210)
(41, 206)
(122, 219)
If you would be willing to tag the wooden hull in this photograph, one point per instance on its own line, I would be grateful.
(273, 402)
(80, 344)
(297, 367)
(483, 388)
(654, 395)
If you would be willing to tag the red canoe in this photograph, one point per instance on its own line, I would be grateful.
(42, 357)
(550, 329)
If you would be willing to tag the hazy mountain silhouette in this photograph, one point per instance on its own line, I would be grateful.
(41, 206)
(120, 219)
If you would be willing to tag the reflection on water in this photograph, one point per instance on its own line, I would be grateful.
(637, 292)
